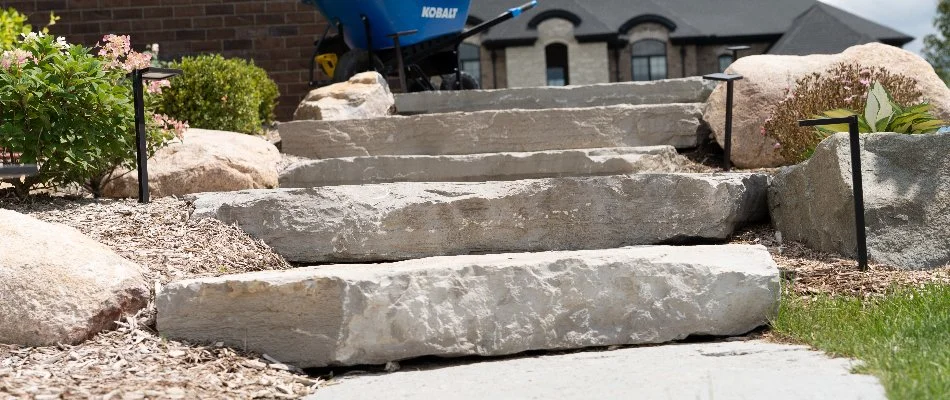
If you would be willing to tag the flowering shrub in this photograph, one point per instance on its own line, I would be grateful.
(223, 94)
(71, 111)
(844, 86)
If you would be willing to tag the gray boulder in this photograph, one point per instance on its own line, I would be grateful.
(477, 305)
(906, 192)
(400, 221)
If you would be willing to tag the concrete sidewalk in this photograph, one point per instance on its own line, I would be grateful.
(726, 370)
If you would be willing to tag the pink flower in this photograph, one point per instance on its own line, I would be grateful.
(777, 146)
(15, 58)
(762, 131)
(156, 86)
(171, 125)
(866, 82)
(136, 60)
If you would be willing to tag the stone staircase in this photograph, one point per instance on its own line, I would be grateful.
(535, 225)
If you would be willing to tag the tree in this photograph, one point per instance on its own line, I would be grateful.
(937, 47)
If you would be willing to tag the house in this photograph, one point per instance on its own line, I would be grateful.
(564, 42)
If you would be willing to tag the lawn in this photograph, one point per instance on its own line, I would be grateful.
(903, 337)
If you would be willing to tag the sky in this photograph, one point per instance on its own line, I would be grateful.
(912, 17)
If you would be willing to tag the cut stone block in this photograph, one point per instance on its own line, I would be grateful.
(477, 305)
(398, 221)
(906, 194)
(481, 167)
(677, 125)
(688, 90)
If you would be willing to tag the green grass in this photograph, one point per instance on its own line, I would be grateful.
(903, 338)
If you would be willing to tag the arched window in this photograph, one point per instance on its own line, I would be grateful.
(555, 58)
(725, 61)
(649, 60)
(470, 61)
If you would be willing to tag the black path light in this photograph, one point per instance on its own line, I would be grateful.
(735, 51)
(138, 91)
(857, 182)
(727, 146)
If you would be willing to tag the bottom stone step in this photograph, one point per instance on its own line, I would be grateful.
(482, 167)
(477, 305)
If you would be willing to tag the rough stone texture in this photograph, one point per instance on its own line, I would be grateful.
(688, 90)
(768, 76)
(365, 95)
(481, 167)
(478, 305)
(398, 221)
(206, 161)
(678, 125)
(749, 370)
(906, 193)
(59, 286)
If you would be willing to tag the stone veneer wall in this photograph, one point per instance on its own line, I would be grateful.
(277, 34)
(587, 62)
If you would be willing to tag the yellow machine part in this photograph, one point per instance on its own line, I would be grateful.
(328, 63)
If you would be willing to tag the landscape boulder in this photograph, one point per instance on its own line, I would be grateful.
(365, 95)
(59, 286)
(205, 161)
(906, 193)
(398, 221)
(766, 79)
(484, 305)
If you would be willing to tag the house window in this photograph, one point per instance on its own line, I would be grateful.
(725, 61)
(555, 58)
(470, 61)
(649, 60)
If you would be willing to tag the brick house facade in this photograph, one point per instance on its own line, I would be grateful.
(277, 34)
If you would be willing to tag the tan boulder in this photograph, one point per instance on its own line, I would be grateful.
(365, 95)
(206, 161)
(58, 285)
(767, 77)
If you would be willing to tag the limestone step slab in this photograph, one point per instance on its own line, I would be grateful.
(688, 90)
(678, 125)
(481, 167)
(477, 305)
(398, 221)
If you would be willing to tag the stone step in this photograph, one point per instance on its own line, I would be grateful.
(678, 125)
(477, 305)
(481, 167)
(398, 221)
(688, 90)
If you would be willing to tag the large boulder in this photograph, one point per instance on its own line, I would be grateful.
(58, 285)
(205, 161)
(397, 221)
(906, 193)
(478, 305)
(768, 77)
(365, 95)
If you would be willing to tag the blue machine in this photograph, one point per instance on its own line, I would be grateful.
(414, 38)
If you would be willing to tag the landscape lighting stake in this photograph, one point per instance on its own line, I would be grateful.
(727, 146)
(735, 51)
(138, 91)
(857, 183)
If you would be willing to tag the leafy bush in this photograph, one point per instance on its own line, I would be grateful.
(883, 114)
(13, 25)
(71, 111)
(841, 87)
(223, 94)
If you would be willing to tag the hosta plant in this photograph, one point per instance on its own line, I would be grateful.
(883, 114)
(843, 86)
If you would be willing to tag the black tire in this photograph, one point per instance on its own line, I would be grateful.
(352, 63)
(468, 82)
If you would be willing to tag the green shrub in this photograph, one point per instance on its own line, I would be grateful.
(223, 94)
(70, 111)
(883, 114)
(13, 25)
(842, 86)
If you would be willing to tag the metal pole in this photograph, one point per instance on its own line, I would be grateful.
(142, 152)
(858, 183)
(458, 68)
(727, 151)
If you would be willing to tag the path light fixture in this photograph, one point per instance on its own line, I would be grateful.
(856, 181)
(138, 91)
(727, 146)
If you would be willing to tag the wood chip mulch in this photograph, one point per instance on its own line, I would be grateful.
(134, 362)
(807, 272)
